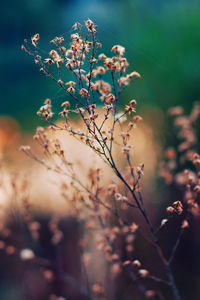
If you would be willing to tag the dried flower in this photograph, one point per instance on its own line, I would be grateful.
(26, 254)
(136, 263)
(35, 39)
(185, 224)
(118, 49)
(143, 273)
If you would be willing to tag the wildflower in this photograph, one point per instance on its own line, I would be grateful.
(76, 26)
(60, 82)
(137, 118)
(10, 250)
(139, 169)
(178, 207)
(84, 93)
(129, 248)
(71, 90)
(57, 237)
(164, 222)
(150, 294)
(170, 153)
(118, 49)
(132, 102)
(134, 74)
(143, 273)
(108, 62)
(34, 226)
(103, 87)
(86, 258)
(170, 210)
(131, 125)
(26, 254)
(90, 26)
(75, 36)
(136, 263)
(102, 56)
(130, 238)
(175, 111)
(2, 244)
(35, 39)
(71, 83)
(129, 109)
(109, 98)
(115, 270)
(133, 227)
(101, 70)
(25, 148)
(118, 197)
(126, 263)
(48, 275)
(184, 224)
(196, 159)
(65, 104)
(57, 40)
(97, 289)
(54, 54)
(197, 188)
(99, 45)
(48, 61)
(124, 81)
(126, 149)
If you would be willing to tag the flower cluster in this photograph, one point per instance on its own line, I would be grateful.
(181, 165)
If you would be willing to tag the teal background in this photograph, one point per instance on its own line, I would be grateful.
(162, 40)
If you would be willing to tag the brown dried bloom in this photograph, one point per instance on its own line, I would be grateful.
(118, 49)
(143, 273)
(178, 207)
(35, 39)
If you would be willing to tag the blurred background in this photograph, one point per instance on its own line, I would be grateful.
(161, 39)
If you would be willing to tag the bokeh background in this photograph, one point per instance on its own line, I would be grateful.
(161, 38)
(162, 41)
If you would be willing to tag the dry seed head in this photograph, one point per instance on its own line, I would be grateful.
(175, 111)
(132, 102)
(150, 294)
(66, 104)
(137, 118)
(115, 269)
(35, 39)
(136, 264)
(134, 74)
(143, 273)
(163, 222)
(133, 227)
(129, 248)
(118, 49)
(170, 210)
(97, 289)
(126, 263)
(48, 275)
(185, 224)
(130, 238)
(26, 254)
(178, 207)
(2, 244)
(10, 250)
(24, 148)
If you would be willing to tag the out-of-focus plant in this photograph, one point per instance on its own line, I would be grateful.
(105, 211)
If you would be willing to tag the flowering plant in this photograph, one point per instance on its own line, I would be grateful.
(106, 211)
